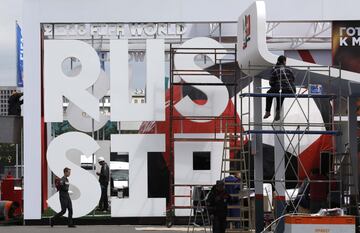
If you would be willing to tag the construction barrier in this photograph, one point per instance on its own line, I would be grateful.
(319, 224)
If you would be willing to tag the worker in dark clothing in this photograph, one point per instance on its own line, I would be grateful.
(281, 78)
(65, 200)
(319, 189)
(14, 104)
(232, 186)
(104, 175)
(218, 201)
(303, 198)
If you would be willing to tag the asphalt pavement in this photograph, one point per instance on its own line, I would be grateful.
(95, 229)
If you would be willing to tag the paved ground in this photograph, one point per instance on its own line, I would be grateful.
(93, 229)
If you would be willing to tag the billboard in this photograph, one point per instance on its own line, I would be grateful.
(346, 45)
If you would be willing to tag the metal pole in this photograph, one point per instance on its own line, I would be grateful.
(17, 161)
(258, 159)
(353, 150)
(235, 97)
(279, 165)
(308, 100)
(92, 125)
(220, 70)
(22, 152)
(220, 65)
(171, 138)
(93, 136)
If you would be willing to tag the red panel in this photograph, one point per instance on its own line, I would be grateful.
(186, 126)
(8, 193)
(43, 139)
(310, 157)
(306, 56)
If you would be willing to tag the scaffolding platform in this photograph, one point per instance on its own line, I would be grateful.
(287, 95)
(323, 132)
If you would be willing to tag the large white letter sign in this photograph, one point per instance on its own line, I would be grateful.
(217, 96)
(138, 204)
(184, 171)
(57, 84)
(121, 108)
(90, 191)
(80, 120)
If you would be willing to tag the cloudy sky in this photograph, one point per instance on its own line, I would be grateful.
(10, 11)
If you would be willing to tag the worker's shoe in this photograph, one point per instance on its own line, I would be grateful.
(51, 222)
(72, 226)
(277, 116)
(267, 114)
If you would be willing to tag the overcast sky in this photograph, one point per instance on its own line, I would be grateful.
(10, 11)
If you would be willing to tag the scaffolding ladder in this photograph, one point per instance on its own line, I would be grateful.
(343, 170)
(235, 160)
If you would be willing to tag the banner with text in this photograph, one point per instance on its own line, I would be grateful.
(346, 45)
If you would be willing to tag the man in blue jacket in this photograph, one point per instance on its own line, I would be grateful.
(232, 186)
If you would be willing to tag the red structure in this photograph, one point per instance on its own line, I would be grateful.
(11, 190)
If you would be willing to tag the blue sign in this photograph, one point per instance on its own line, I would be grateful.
(19, 56)
(315, 88)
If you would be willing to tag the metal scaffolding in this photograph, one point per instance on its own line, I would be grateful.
(243, 139)
(294, 133)
(228, 77)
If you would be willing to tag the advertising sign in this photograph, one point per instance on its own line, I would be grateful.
(346, 45)
(84, 89)
(19, 56)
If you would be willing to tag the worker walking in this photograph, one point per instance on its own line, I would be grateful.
(65, 200)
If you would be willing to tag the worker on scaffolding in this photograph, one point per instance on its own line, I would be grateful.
(218, 201)
(302, 200)
(281, 78)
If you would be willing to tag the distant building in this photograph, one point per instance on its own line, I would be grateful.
(138, 97)
(5, 93)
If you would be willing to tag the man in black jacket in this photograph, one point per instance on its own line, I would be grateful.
(281, 78)
(65, 200)
(14, 104)
(218, 201)
(104, 182)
